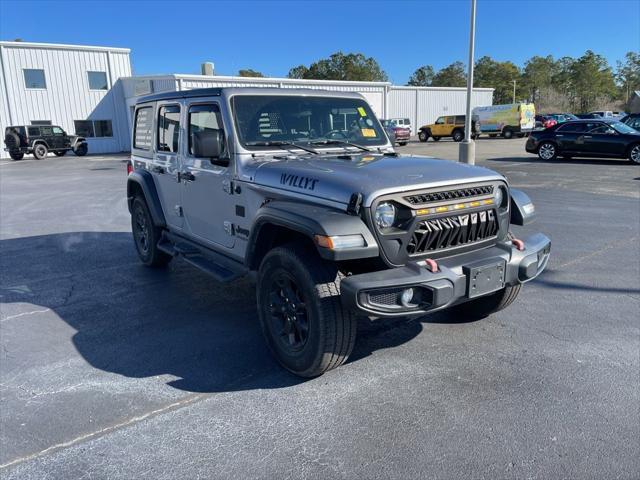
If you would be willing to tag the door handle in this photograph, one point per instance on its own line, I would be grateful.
(157, 169)
(187, 176)
(587, 136)
(559, 135)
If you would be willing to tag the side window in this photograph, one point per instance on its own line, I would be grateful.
(57, 131)
(440, 121)
(203, 118)
(33, 131)
(84, 128)
(451, 120)
(169, 129)
(600, 128)
(45, 131)
(571, 127)
(142, 130)
(460, 120)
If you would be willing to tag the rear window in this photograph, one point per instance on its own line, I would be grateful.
(143, 128)
(572, 127)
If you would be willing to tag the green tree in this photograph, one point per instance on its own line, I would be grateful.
(249, 73)
(422, 77)
(500, 76)
(452, 76)
(628, 74)
(341, 66)
(591, 82)
(537, 77)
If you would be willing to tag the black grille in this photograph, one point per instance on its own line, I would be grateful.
(385, 297)
(449, 194)
(453, 231)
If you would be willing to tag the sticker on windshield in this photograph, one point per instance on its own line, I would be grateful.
(368, 132)
(369, 122)
(362, 112)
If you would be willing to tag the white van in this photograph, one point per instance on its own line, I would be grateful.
(403, 122)
(506, 120)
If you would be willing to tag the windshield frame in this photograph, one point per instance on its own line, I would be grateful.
(245, 144)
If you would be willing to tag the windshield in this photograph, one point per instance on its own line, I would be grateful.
(265, 120)
(622, 127)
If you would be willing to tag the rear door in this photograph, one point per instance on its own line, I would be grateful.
(567, 136)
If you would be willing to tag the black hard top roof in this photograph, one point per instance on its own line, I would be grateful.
(196, 92)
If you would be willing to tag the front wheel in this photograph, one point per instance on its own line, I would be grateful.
(634, 154)
(547, 151)
(40, 151)
(423, 136)
(302, 318)
(81, 150)
(146, 235)
(484, 306)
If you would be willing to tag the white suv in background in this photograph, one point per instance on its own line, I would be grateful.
(403, 122)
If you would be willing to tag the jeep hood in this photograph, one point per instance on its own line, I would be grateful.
(337, 177)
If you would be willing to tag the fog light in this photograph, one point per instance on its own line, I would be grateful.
(406, 298)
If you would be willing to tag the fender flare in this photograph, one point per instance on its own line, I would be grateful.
(522, 209)
(144, 180)
(77, 141)
(309, 220)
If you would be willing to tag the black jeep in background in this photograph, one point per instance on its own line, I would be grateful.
(40, 140)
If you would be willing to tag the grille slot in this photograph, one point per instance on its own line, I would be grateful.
(422, 198)
(385, 297)
(452, 231)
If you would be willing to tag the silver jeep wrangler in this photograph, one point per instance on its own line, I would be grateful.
(304, 188)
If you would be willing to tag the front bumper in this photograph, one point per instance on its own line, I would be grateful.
(455, 281)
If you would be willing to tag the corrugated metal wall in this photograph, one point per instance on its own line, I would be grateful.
(67, 96)
(423, 105)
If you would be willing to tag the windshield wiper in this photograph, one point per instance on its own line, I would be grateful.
(282, 143)
(340, 142)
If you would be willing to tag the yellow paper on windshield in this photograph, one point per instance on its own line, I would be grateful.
(362, 112)
(368, 132)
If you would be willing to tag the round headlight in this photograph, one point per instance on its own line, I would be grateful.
(385, 215)
(498, 196)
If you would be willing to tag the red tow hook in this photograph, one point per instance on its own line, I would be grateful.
(519, 244)
(431, 265)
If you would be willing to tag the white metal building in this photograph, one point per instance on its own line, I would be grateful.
(90, 91)
(73, 86)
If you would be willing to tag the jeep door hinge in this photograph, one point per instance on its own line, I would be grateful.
(227, 186)
(178, 210)
(228, 228)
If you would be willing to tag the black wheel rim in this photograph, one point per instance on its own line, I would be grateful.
(288, 312)
(141, 231)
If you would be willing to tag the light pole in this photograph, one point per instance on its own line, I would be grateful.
(514, 91)
(467, 152)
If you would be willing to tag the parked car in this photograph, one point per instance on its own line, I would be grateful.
(585, 116)
(563, 117)
(448, 126)
(403, 122)
(633, 120)
(603, 114)
(506, 120)
(397, 134)
(586, 138)
(40, 140)
(303, 190)
(545, 121)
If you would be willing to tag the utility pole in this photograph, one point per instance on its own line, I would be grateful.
(514, 91)
(467, 151)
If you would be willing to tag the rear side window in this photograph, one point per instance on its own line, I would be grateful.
(460, 120)
(572, 127)
(34, 131)
(143, 128)
(169, 129)
(203, 118)
(46, 131)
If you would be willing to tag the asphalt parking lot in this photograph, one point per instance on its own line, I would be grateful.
(111, 370)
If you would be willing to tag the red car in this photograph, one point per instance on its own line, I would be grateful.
(399, 135)
(545, 121)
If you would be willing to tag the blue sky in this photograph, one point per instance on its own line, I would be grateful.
(273, 36)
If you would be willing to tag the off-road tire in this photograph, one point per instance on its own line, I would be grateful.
(634, 154)
(146, 235)
(12, 140)
(507, 133)
(423, 136)
(59, 153)
(81, 150)
(484, 306)
(330, 328)
(547, 151)
(40, 151)
(457, 135)
(16, 155)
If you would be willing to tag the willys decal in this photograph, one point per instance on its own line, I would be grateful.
(305, 183)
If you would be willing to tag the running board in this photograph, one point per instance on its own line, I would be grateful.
(213, 263)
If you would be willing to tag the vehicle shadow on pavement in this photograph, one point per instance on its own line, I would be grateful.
(560, 160)
(139, 322)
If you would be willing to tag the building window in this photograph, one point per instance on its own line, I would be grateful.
(98, 81)
(93, 128)
(169, 129)
(34, 78)
(142, 130)
(84, 128)
(40, 122)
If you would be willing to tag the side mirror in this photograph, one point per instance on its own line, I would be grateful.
(522, 210)
(611, 131)
(209, 143)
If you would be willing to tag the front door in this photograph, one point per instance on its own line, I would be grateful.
(603, 140)
(206, 199)
(58, 138)
(166, 163)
